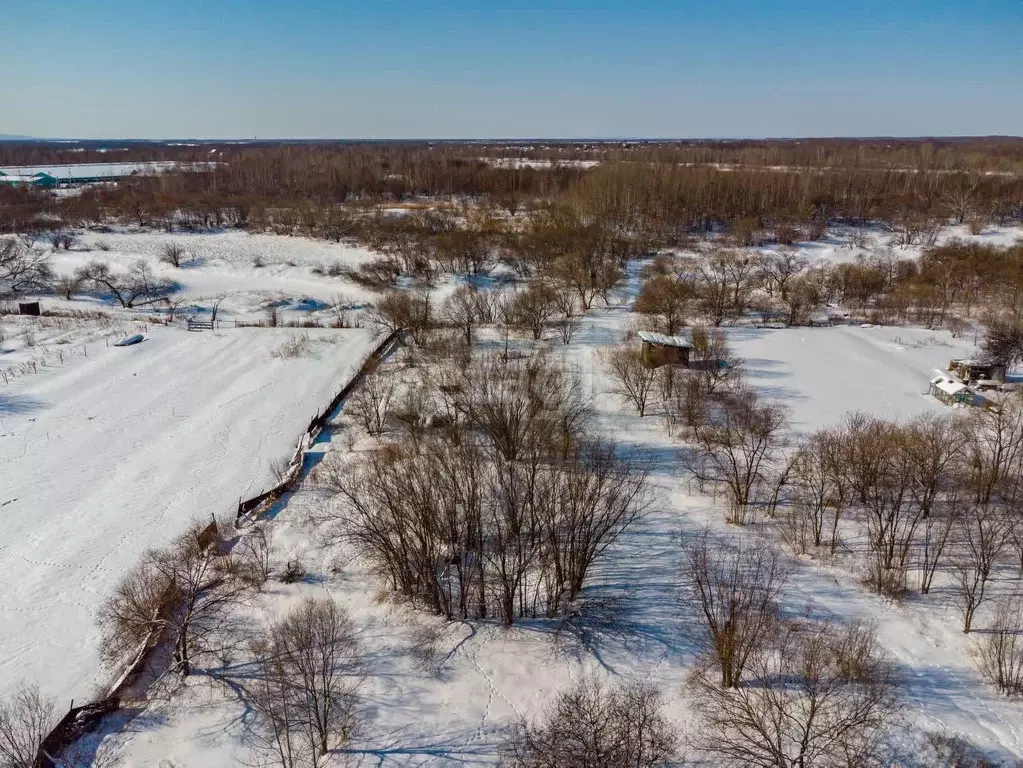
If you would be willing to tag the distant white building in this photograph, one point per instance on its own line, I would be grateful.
(89, 173)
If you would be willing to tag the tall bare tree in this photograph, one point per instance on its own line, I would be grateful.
(306, 692)
(735, 588)
(820, 695)
(631, 378)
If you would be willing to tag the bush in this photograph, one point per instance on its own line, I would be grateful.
(294, 571)
(593, 724)
(296, 346)
(1000, 651)
(172, 254)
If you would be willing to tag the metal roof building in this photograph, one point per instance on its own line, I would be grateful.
(89, 173)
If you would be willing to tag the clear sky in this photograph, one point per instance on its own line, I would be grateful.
(482, 69)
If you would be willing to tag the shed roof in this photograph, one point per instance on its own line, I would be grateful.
(664, 340)
(948, 386)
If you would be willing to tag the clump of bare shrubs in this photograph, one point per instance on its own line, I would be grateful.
(1000, 650)
(597, 724)
(504, 509)
(294, 347)
(182, 594)
(172, 254)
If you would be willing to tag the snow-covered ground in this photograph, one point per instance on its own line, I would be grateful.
(118, 451)
(113, 453)
(822, 373)
(443, 694)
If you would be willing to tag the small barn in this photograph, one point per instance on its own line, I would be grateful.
(973, 371)
(660, 349)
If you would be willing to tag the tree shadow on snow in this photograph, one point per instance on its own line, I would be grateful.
(17, 405)
(458, 747)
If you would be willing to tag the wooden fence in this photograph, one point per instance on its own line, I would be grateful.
(249, 509)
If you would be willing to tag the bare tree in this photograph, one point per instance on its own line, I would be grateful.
(306, 692)
(26, 718)
(215, 303)
(23, 269)
(67, 286)
(714, 358)
(534, 309)
(136, 285)
(667, 299)
(817, 500)
(781, 269)
(714, 292)
(736, 590)
(1000, 650)
(593, 724)
(983, 534)
(739, 450)
(184, 592)
(689, 408)
(256, 554)
(461, 310)
(599, 495)
(631, 378)
(371, 402)
(341, 307)
(567, 326)
(1003, 339)
(994, 449)
(403, 311)
(172, 254)
(881, 474)
(820, 695)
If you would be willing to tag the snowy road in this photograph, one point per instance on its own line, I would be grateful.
(118, 452)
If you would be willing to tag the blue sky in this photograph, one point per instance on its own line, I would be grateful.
(462, 69)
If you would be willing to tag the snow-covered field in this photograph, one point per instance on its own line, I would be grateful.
(112, 453)
(451, 707)
(450, 704)
(108, 455)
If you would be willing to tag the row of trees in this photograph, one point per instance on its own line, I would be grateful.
(25, 269)
(950, 284)
(656, 194)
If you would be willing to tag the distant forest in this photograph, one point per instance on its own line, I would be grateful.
(656, 193)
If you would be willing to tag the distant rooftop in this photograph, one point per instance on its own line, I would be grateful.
(92, 171)
(664, 340)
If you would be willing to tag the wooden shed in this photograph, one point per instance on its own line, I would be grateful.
(660, 349)
(972, 371)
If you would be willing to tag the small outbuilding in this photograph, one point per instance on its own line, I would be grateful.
(660, 349)
(975, 371)
(949, 391)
